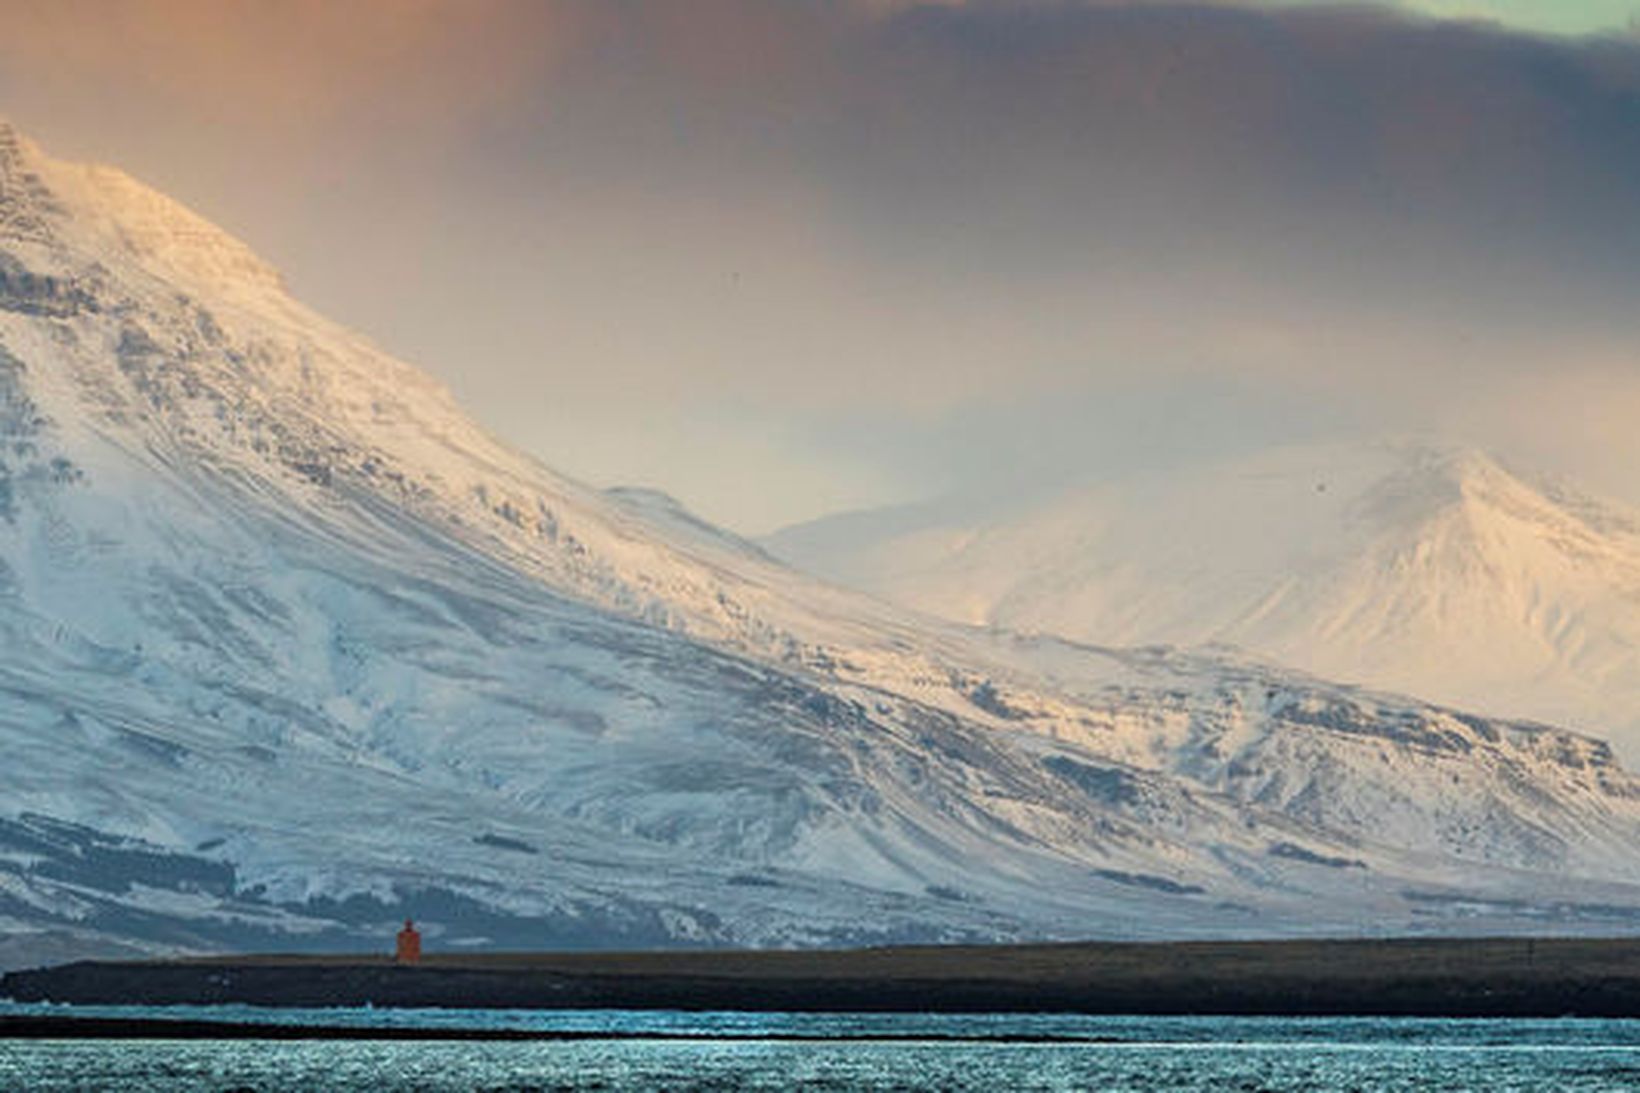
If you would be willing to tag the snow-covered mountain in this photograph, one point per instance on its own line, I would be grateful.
(1402, 564)
(292, 648)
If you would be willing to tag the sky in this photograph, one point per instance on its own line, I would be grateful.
(787, 257)
(1542, 16)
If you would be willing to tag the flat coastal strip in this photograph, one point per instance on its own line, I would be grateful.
(1478, 977)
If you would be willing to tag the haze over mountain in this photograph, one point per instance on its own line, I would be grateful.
(292, 648)
(1403, 564)
(783, 260)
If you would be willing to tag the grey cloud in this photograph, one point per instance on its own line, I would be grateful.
(1043, 129)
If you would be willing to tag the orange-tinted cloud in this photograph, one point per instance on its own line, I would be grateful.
(289, 62)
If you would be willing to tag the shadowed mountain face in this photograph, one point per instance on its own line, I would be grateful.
(293, 649)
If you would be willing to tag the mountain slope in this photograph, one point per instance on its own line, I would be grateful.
(293, 648)
(1403, 565)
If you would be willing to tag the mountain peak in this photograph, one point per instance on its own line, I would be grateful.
(1423, 479)
(1408, 563)
(95, 214)
(1436, 481)
(1472, 470)
(25, 202)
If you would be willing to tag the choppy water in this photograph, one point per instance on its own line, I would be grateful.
(821, 1051)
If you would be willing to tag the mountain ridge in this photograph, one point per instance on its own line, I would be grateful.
(1378, 562)
(295, 648)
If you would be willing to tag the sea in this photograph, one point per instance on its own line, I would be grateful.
(780, 1051)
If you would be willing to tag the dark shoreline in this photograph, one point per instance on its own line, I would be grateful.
(1479, 977)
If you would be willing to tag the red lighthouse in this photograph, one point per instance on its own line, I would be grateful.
(409, 947)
